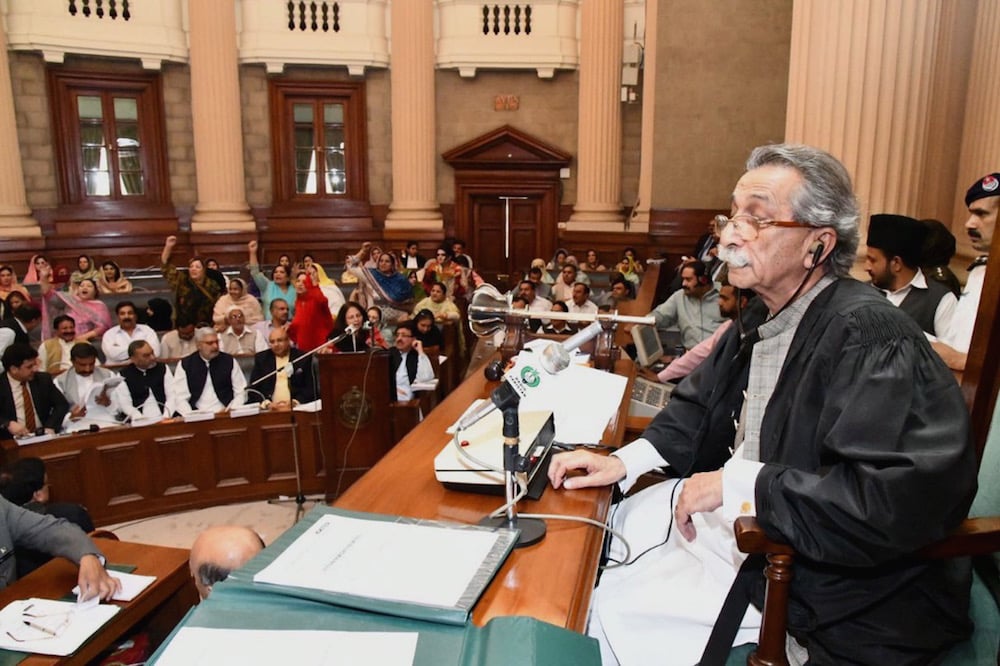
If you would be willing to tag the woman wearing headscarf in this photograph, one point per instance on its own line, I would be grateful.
(195, 293)
(442, 268)
(158, 315)
(90, 314)
(352, 315)
(9, 283)
(237, 296)
(37, 263)
(279, 286)
(383, 286)
(85, 270)
(111, 280)
(312, 321)
(334, 296)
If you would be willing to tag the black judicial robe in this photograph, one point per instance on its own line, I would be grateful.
(867, 458)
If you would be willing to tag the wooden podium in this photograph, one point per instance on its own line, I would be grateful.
(357, 415)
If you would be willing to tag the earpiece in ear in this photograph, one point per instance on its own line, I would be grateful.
(817, 252)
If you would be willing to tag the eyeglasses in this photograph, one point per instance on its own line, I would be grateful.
(749, 226)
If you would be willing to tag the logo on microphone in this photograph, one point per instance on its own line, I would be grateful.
(530, 377)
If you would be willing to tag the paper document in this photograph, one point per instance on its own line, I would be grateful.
(132, 585)
(314, 406)
(419, 564)
(51, 627)
(197, 646)
(196, 416)
(107, 385)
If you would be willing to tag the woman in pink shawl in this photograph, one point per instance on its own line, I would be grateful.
(90, 314)
(37, 264)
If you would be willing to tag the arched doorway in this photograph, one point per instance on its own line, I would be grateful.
(507, 194)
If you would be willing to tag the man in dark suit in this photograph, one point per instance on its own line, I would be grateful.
(280, 391)
(411, 259)
(17, 327)
(28, 399)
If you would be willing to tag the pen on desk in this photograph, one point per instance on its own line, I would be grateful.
(40, 627)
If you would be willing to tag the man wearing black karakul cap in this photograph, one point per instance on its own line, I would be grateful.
(893, 262)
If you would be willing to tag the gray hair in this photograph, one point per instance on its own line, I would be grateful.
(826, 198)
(203, 332)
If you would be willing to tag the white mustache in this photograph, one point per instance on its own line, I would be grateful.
(735, 258)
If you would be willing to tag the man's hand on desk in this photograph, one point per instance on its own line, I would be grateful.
(646, 373)
(598, 470)
(77, 412)
(17, 429)
(94, 580)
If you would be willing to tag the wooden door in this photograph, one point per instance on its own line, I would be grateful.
(507, 233)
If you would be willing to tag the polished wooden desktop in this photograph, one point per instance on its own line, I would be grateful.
(156, 611)
(551, 580)
(123, 473)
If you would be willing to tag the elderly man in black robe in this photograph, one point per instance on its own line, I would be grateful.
(851, 444)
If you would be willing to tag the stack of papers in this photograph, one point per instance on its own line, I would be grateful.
(44, 626)
(132, 585)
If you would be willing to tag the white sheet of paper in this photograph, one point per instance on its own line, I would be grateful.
(72, 628)
(582, 399)
(382, 560)
(132, 585)
(198, 646)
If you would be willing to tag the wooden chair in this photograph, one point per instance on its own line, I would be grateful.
(978, 535)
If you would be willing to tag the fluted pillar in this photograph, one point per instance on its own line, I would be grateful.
(599, 163)
(980, 149)
(411, 78)
(640, 217)
(860, 86)
(15, 216)
(218, 131)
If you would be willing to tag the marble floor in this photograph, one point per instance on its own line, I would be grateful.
(180, 529)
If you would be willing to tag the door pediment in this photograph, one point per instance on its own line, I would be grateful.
(506, 148)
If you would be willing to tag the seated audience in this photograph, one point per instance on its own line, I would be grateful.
(471, 278)
(426, 331)
(279, 317)
(236, 296)
(533, 302)
(312, 322)
(179, 342)
(86, 269)
(443, 308)
(92, 316)
(279, 286)
(111, 280)
(36, 265)
(25, 318)
(537, 275)
(117, 339)
(147, 389)
(209, 381)
(195, 293)
(633, 263)
(562, 290)
(458, 251)
(89, 403)
(29, 400)
(558, 326)
(579, 302)
(358, 338)
(237, 339)
(281, 391)
(411, 259)
(220, 550)
(694, 309)
(334, 296)
(557, 261)
(9, 283)
(621, 291)
(53, 354)
(592, 263)
(408, 364)
(442, 268)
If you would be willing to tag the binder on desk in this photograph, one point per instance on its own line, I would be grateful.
(419, 569)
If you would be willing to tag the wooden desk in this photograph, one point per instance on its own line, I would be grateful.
(126, 473)
(552, 580)
(157, 610)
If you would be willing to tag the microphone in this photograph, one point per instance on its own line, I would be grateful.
(523, 377)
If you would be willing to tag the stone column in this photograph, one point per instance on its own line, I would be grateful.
(640, 218)
(598, 205)
(218, 131)
(414, 194)
(980, 147)
(861, 86)
(15, 216)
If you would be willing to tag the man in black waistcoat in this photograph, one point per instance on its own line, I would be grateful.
(209, 381)
(148, 387)
(408, 364)
(893, 262)
(281, 391)
(25, 319)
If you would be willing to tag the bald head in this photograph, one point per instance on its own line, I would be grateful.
(219, 550)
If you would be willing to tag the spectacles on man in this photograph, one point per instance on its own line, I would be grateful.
(748, 226)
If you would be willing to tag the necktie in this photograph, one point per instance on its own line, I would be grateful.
(29, 409)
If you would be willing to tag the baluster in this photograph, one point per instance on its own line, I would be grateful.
(527, 19)
(506, 19)
(302, 15)
(291, 14)
(496, 19)
(86, 8)
(126, 14)
(72, 8)
(486, 19)
(100, 8)
(112, 9)
(517, 19)
(325, 7)
(336, 17)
